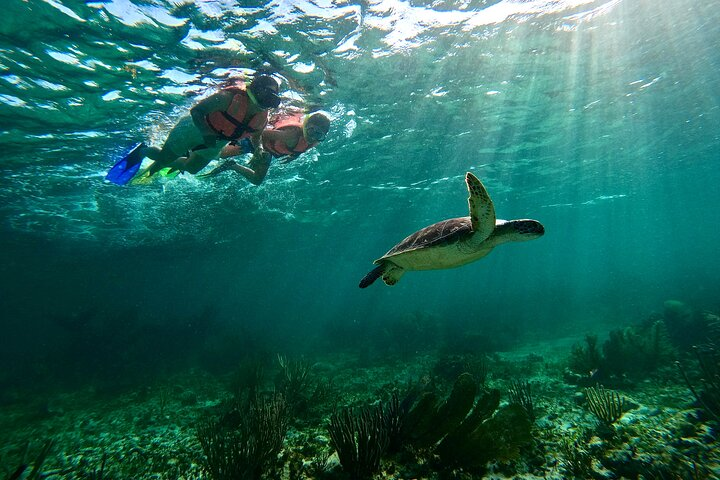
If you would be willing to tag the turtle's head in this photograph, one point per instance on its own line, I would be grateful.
(519, 230)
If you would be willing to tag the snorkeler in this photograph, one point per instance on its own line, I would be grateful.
(290, 136)
(231, 114)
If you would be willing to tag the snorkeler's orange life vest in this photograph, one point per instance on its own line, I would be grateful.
(232, 124)
(278, 148)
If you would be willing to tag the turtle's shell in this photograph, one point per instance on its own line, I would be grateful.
(437, 234)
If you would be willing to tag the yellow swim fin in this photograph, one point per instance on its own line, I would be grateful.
(146, 178)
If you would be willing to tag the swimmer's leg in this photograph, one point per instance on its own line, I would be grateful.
(163, 158)
(153, 153)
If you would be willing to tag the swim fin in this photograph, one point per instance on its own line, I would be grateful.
(126, 168)
(145, 178)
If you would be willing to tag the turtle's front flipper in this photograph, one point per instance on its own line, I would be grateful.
(482, 210)
(373, 275)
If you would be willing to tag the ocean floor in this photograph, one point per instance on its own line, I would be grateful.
(151, 432)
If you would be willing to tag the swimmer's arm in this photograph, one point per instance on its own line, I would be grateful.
(213, 103)
(258, 167)
(256, 138)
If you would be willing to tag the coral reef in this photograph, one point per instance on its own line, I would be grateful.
(606, 405)
(577, 460)
(294, 381)
(635, 351)
(422, 416)
(585, 359)
(520, 393)
(244, 442)
(687, 327)
(465, 432)
(708, 359)
(360, 438)
(37, 466)
(247, 379)
(304, 391)
(449, 366)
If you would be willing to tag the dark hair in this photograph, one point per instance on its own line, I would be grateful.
(265, 89)
(265, 81)
(320, 119)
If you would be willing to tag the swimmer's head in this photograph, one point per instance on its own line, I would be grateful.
(316, 127)
(264, 89)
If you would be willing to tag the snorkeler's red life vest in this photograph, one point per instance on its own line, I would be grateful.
(280, 149)
(232, 124)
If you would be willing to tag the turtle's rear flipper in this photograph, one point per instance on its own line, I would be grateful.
(392, 275)
(373, 275)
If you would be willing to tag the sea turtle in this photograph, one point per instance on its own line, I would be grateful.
(453, 242)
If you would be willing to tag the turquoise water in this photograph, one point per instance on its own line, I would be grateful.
(597, 118)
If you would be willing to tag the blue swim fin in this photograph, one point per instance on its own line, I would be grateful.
(126, 168)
